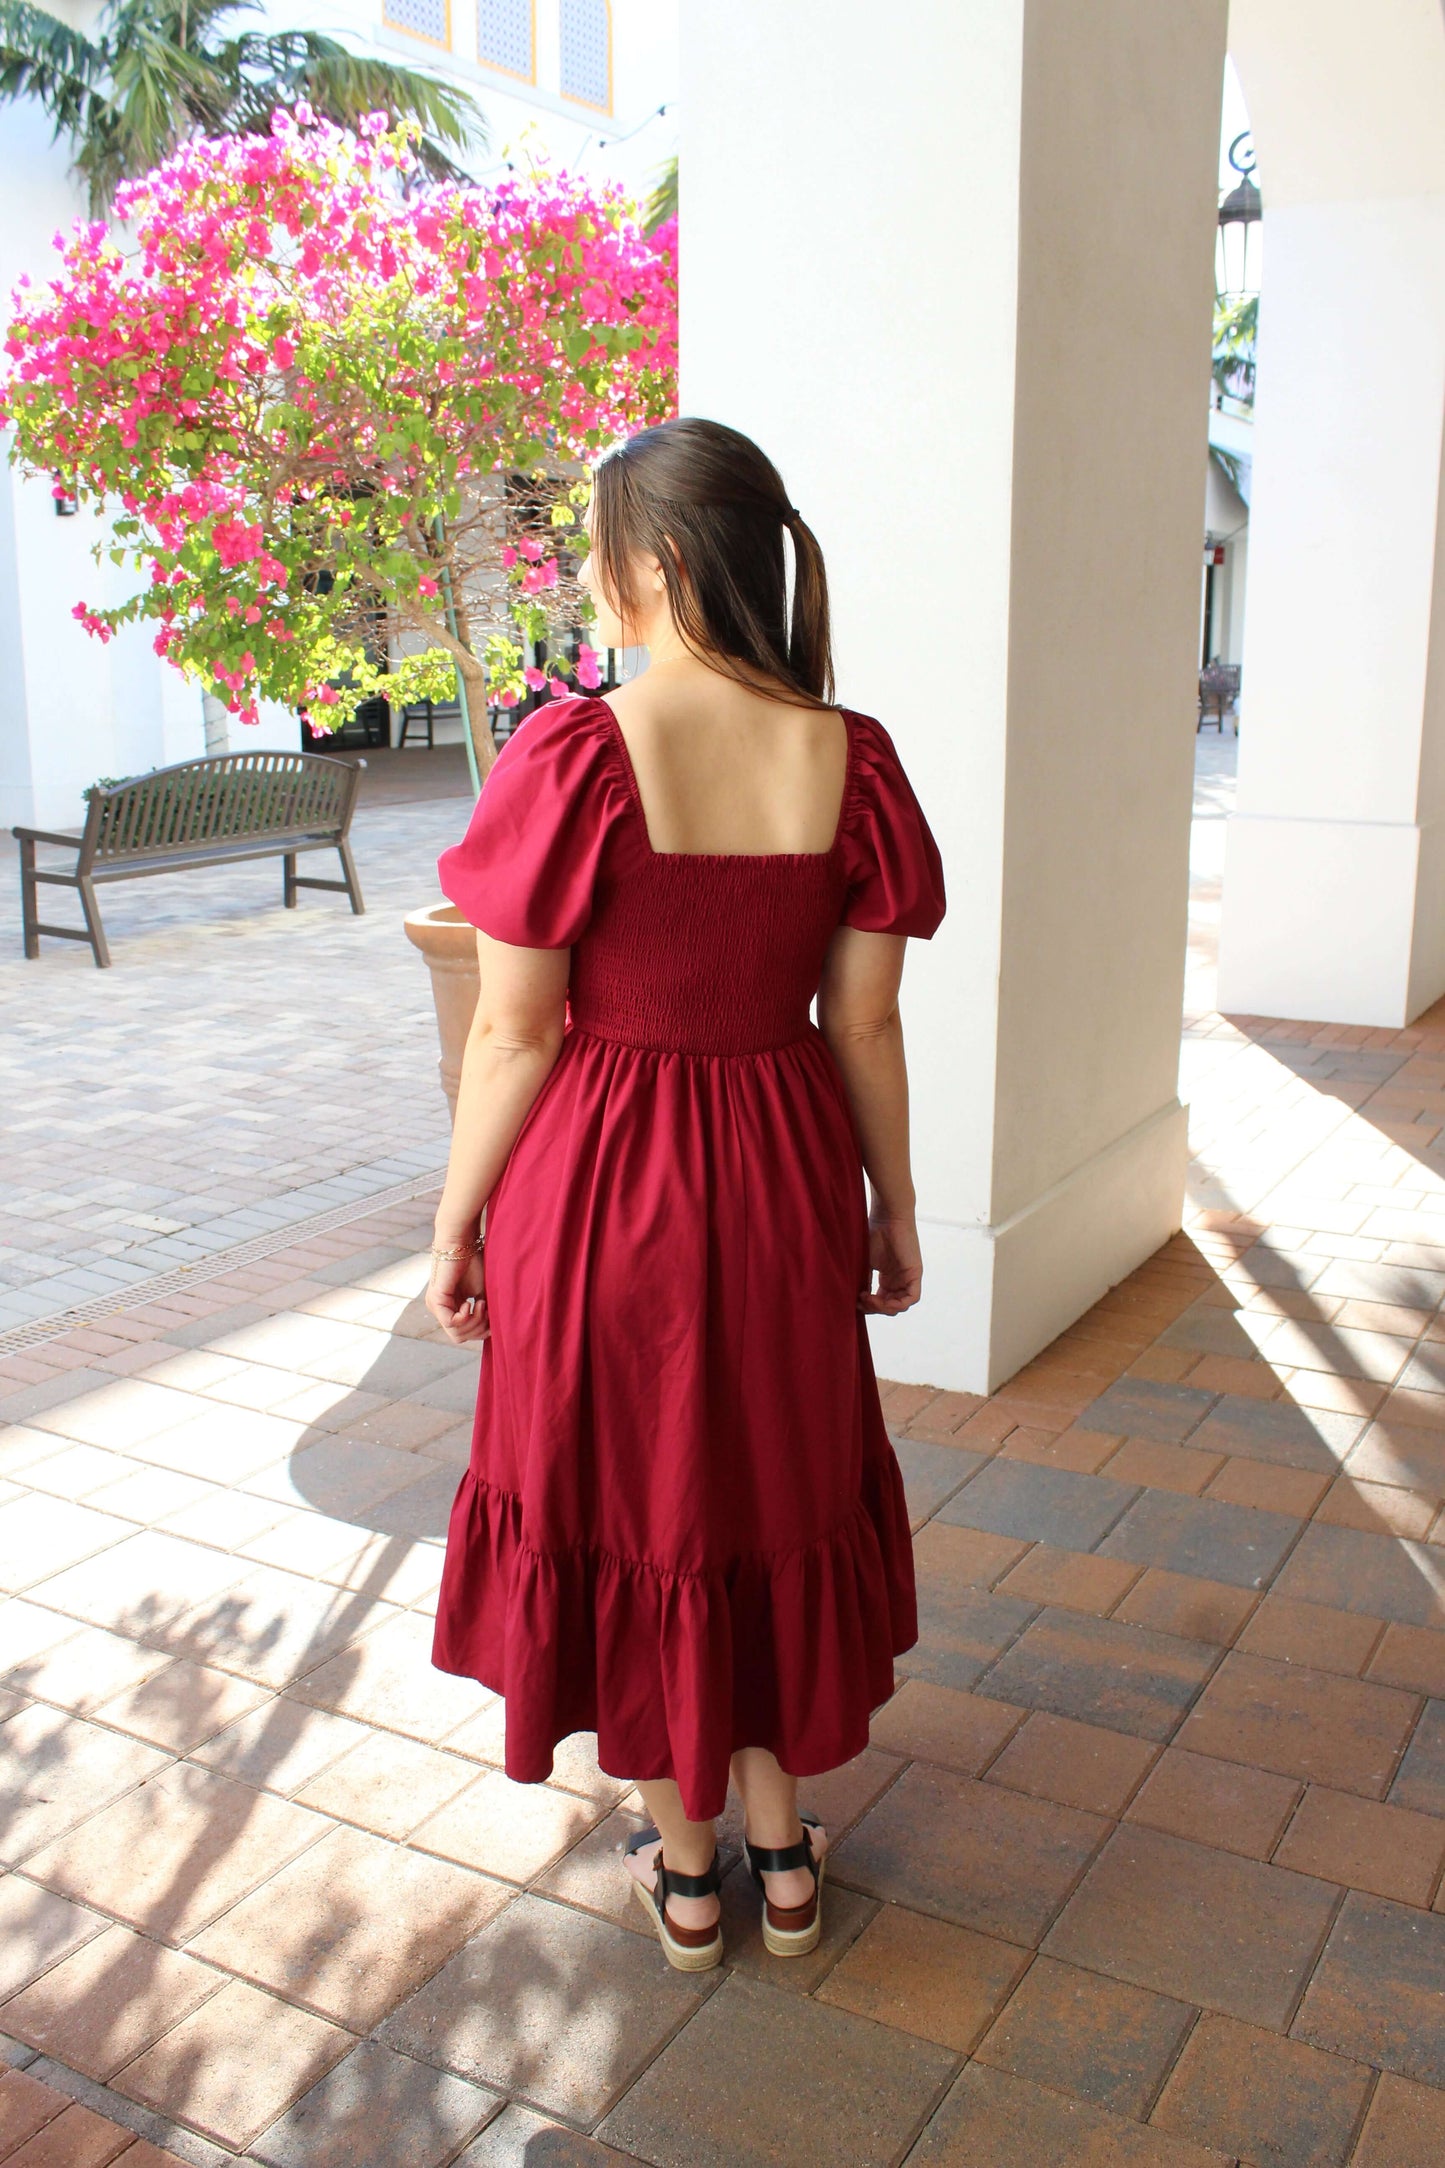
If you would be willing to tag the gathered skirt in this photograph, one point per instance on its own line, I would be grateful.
(682, 1525)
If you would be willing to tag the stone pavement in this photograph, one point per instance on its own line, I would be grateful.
(241, 1067)
(1143, 1864)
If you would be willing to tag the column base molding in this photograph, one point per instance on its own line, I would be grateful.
(994, 1296)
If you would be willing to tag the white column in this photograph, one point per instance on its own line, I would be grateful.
(1334, 894)
(951, 264)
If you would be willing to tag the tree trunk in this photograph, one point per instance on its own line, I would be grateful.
(215, 716)
(484, 745)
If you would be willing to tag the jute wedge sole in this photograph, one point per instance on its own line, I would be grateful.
(784, 1941)
(688, 1949)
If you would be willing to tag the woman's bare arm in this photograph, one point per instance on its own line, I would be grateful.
(858, 1016)
(515, 1038)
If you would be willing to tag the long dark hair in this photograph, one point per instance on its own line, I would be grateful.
(711, 508)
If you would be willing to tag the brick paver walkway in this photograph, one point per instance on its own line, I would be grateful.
(240, 1067)
(1143, 1864)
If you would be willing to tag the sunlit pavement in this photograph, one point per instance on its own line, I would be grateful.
(1143, 1864)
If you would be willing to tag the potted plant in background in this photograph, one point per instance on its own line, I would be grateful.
(314, 402)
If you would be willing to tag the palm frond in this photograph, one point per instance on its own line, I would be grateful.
(278, 67)
(43, 58)
(662, 203)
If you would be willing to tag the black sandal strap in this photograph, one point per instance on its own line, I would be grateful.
(672, 1884)
(669, 1882)
(778, 1859)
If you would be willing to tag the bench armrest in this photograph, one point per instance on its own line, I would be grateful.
(48, 835)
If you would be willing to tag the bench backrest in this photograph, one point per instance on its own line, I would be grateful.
(216, 801)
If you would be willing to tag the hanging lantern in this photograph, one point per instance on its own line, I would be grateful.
(1236, 263)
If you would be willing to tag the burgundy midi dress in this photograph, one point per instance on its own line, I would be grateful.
(682, 1526)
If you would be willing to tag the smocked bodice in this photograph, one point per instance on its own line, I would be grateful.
(706, 955)
(695, 954)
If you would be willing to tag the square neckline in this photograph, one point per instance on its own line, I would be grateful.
(805, 858)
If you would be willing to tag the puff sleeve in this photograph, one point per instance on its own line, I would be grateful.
(527, 866)
(895, 873)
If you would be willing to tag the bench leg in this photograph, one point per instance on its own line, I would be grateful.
(288, 879)
(348, 868)
(91, 907)
(29, 909)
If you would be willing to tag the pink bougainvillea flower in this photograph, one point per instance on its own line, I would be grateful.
(459, 334)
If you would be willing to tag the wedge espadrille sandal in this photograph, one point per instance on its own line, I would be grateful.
(790, 1930)
(690, 1949)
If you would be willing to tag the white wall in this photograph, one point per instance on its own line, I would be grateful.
(1335, 867)
(900, 235)
(71, 709)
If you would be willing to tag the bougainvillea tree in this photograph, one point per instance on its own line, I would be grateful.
(332, 420)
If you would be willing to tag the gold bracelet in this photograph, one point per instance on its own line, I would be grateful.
(450, 1254)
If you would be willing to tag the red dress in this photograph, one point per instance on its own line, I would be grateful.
(683, 1523)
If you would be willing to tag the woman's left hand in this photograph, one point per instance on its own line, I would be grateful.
(457, 1297)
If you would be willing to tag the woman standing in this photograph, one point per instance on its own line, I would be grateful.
(683, 1523)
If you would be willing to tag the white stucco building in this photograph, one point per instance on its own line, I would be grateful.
(590, 84)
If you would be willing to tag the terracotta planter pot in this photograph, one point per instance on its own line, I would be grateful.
(449, 945)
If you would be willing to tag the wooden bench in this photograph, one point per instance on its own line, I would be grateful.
(199, 813)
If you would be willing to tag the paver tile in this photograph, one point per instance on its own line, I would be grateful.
(1421, 1782)
(1198, 1924)
(1138, 1409)
(41, 1536)
(1310, 1724)
(388, 1679)
(1238, 1545)
(377, 2106)
(1072, 1580)
(1010, 2122)
(1412, 1657)
(1379, 1989)
(1405, 2127)
(352, 1926)
(1185, 1605)
(102, 2005)
(776, 2070)
(180, 1704)
(25, 2107)
(506, 1829)
(1388, 1851)
(1353, 1502)
(78, 2138)
(550, 2004)
(1085, 1451)
(1093, 2038)
(1385, 1577)
(1036, 1504)
(232, 2066)
(931, 1473)
(938, 1724)
(1215, 1802)
(1400, 1456)
(1276, 1430)
(1162, 1467)
(37, 1931)
(970, 1557)
(1126, 1678)
(57, 1769)
(1311, 1634)
(969, 1852)
(519, 2138)
(1276, 2102)
(1260, 1483)
(925, 1976)
(593, 1876)
(1079, 1765)
(280, 1745)
(387, 1783)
